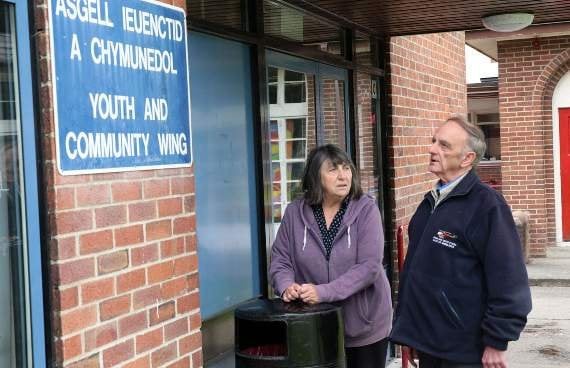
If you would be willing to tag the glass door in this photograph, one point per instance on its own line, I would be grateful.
(20, 264)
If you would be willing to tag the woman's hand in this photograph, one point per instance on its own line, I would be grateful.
(291, 293)
(308, 294)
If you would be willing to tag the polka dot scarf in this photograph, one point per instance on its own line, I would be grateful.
(329, 234)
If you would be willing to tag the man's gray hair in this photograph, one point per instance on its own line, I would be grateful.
(475, 137)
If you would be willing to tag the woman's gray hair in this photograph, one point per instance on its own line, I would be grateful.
(475, 137)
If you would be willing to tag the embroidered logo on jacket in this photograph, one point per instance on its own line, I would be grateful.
(445, 238)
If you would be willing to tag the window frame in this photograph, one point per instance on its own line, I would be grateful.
(35, 323)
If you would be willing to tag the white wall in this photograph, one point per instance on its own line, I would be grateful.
(560, 98)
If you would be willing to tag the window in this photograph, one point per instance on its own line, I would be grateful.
(363, 46)
(288, 93)
(295, 26)
(489, 124)
(14, 301)
(227, 13)
(288, 155)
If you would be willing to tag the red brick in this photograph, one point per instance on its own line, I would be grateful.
(188, 302)
(143, 362)
(93, 195)
(127, 191)
(71, 347)
(62, 248)
(144, 254)
(172, 247)
(190, 343)
(169, 207)
(163, 355)
(100, 336)
(73, 221)
(158, 230)
(192, 282)
(183, 185)
(113, 262)
(150, 340)
(89, 362)
(131, 280)
(190, 203)
(129, 235)
(184, 225)
(97, 290)
(77, 319)
(191, 243)
(161, 313)
(64, 199)
(142, 211)
(160, 272)
(146, 297)
(195, 321)
(73, 271)
(118, 353)
(133, 323)
(114, 307)
(110, 216)
(176, 329)
(156, 188)
(185, 265)
(173, 288)
(66, 299)
(197, 359)
(182, 363)
(95, 242)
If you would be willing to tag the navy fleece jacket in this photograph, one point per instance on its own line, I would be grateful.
(464, 285)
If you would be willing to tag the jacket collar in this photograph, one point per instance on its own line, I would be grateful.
(463, 188)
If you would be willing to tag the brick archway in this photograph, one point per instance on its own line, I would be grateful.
(542, 98)
(528, 74)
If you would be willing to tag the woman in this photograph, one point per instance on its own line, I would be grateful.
(329, 249)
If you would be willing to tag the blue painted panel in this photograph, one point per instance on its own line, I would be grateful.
(222, 120)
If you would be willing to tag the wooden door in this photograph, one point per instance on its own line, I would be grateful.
(564, 115)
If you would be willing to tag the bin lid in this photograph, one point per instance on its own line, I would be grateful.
(265, 309)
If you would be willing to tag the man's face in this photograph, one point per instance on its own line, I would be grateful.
(448, 152)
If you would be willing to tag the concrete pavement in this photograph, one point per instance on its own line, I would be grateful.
(545, 342)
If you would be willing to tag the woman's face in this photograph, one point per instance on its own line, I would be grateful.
(335, 179)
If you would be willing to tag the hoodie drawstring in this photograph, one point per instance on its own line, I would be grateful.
(305, 238)
(348, 236)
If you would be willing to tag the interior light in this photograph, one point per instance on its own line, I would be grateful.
(509, 22)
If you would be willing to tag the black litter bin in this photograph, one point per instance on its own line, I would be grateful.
(271, 333)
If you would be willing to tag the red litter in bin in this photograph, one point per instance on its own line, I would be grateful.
(266, 350)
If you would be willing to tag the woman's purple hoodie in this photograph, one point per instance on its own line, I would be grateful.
(352, 278)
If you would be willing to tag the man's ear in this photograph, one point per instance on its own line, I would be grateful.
(468, 159)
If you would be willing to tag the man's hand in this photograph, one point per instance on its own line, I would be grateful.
(493, 358)
(308, 294)
(291, 293)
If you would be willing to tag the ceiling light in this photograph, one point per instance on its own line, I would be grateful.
(509, 22)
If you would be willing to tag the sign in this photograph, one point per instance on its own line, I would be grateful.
(121, 87)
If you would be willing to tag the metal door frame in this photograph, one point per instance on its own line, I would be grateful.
(35, 329)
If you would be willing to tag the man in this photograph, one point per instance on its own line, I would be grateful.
(464, 290)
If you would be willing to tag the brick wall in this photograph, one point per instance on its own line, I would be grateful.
(123, 275)
(490, 173)
(366, 135)
(426, 84)
(528, 73)
(332, 104)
